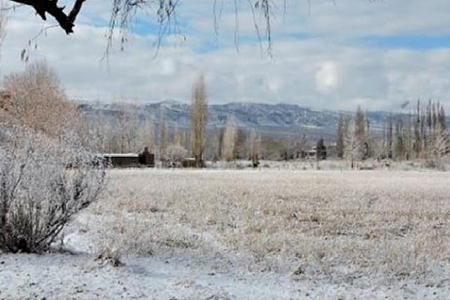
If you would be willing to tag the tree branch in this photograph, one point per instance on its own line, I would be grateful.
(65, 21)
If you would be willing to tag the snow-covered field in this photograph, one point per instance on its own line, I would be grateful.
(249, 234)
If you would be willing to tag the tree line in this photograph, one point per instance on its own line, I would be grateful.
(421, 134)
(35, 99)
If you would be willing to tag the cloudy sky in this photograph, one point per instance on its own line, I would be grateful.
(331, 54)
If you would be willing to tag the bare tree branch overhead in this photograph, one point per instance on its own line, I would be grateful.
(123, 12)
(65, 20)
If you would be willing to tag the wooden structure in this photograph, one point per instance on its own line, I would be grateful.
(121, 160)
(130, 160)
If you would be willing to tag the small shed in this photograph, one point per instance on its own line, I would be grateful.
(122, 160)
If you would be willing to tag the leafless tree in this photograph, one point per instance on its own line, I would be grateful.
(229, 140)
(162, 134)
(440, 143)
(341, 133)
(96, 134)
(417, 132)
(176, 136)
(176, 154)
(199, 113)
(353, 152)
(37, 101)
(128, 128)
(361, 134)
(254, 147)
(149, 136)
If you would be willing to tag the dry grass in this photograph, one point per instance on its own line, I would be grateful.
(325, 224)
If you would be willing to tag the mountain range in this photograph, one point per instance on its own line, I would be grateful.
(276, 120)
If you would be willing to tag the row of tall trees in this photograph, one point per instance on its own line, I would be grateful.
(421, 134)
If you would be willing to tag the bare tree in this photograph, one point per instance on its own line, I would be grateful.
(229, 140)
(162, 134)
(353, 146)
(254, 148)
(95, 133)
(150, 134)
(361, 134)
(301, 146)
(417, 132)
(442, 119)
(399, 141)
(176, 154)
(176, 136)
(144, 134)
(37, 101)
(440, 143)
(440, 137)
(128, 128)
(341, 133)
(199, 112)
(216, 144)
(429, 126)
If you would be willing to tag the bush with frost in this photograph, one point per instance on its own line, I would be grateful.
(43, 184)
(176, 154)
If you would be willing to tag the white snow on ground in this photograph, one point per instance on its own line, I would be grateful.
(65, 276)
(238, 235)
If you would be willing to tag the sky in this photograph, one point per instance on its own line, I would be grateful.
(326, 54)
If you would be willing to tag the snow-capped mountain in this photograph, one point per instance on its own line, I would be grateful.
(270, 119)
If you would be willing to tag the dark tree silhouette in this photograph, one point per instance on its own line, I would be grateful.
(65, 20)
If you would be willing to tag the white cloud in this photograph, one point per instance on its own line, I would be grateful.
(327, 77)
(275, 84)
(168, 66)
(326, 71)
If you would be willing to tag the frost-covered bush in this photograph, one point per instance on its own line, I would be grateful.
(176, 154)
(43, 184)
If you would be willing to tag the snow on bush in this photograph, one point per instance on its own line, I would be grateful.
(43, 184)
(176, 154)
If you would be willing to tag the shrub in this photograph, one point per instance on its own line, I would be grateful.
(38, 193)
(176, 154)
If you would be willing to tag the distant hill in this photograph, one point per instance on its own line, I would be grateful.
(277, 120)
